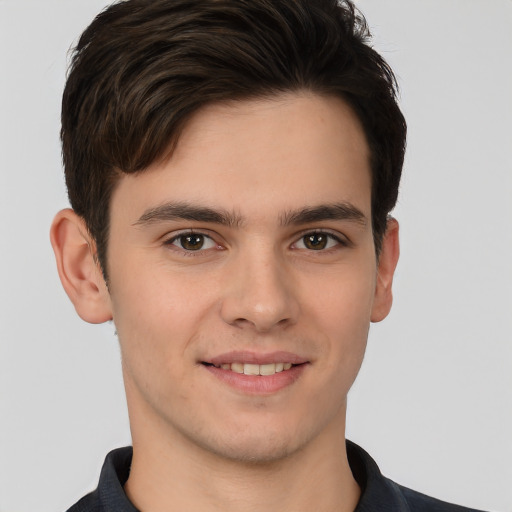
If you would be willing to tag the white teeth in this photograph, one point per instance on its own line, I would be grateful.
(267, 369)
(251, 369)
(256, 369)
(237, 367)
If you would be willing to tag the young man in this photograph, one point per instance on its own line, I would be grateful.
(231, 166)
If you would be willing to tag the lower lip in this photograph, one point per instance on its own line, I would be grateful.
(258, 384)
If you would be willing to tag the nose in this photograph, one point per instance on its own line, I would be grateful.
(260, 293)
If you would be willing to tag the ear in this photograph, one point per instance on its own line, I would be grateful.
(388, 259)
(78, 268)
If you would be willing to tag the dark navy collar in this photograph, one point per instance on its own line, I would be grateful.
(376, 490)
(378, 493)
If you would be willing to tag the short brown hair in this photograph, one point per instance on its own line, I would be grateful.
(143, 67)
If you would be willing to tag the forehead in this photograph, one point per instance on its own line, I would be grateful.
(283, 152)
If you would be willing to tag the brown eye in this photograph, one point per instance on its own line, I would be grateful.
(192, 242)
(315, 241)
(319, 241)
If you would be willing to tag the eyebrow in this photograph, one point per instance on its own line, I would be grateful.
(185, 211)
(336, 211)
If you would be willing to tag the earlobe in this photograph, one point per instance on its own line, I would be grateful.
(385, 271)
(78, 269)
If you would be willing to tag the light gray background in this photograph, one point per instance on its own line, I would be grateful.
(433, 403)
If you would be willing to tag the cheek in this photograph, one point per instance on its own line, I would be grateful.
(158, 314)
(344, 302)
(342, 313)
(155, 297)
(152, 317)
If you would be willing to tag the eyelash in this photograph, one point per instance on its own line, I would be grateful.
(170, 243)
(340, 241)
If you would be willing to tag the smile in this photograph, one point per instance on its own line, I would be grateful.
(255, 369)
(254, 373)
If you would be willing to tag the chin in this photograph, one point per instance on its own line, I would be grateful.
(255, 444)
(258, 450)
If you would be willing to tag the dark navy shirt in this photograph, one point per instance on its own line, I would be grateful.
(378, 493)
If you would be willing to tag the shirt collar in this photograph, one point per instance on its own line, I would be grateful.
(378, 494)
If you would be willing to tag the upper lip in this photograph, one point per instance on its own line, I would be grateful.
(248, 357)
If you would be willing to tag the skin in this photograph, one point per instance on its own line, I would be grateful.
(255, 285)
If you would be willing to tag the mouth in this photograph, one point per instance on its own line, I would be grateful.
(257, 374)
(254, 369)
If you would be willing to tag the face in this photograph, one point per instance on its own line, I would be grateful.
(243, 278)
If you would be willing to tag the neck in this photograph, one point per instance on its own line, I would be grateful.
(169, 472)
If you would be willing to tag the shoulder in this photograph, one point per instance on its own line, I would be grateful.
(109, 495)
(89, 503)
(380, 494)
(418, 502)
